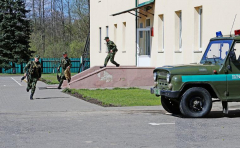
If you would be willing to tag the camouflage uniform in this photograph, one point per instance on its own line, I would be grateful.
(64, 63)
(111, 46)
(34, 71)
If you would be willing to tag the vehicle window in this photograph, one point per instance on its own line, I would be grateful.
(235, 54)
(225, 49)
(216, 51)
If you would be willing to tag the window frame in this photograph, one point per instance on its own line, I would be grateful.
(200, 28)
(100, 39)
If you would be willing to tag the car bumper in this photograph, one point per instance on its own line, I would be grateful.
(167, 93)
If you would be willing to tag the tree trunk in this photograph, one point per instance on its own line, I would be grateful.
(63, 23)
(34, 15)
(69, 21)
(43, 27)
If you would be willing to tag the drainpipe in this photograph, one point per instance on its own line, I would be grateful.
(136, 4)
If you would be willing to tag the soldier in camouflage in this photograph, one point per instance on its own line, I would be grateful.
(33, 72)
(112, 50)
(65, 63)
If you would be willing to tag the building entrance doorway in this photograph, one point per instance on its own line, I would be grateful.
(143, 47)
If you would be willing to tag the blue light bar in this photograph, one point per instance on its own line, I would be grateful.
(219, 34)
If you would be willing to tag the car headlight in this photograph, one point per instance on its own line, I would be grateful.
(155, 76)
(168, 77)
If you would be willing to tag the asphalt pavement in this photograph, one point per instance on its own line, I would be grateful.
(57, 120)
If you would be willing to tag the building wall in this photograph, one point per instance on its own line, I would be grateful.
(217, 15)
(100, 17)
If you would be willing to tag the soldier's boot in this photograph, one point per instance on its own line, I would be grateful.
(225, 107)
(31, 96)
(60, 84)
(115, 63)
(103, 66)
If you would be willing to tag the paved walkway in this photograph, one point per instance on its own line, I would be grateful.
(56, 120)
(14, 98)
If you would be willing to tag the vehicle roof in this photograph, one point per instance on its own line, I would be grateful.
(236, 38)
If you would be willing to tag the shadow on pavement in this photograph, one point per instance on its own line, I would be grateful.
(212, 114)
(219, 114)
(42, 88)
(52, 98)
(216, 114)
(154, 112)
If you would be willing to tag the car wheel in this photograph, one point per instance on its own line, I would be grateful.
(196, 102)
(170, 106)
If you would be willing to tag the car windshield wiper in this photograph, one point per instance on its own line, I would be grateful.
(214, 58)
(206, 59)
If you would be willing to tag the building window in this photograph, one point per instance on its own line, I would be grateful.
(161, 32)
(141, 33)
(115, 33)
(198, 28)
(124, 36)
(107, 35)
(178, 30)
(107, 31)
(100, 39)
(148, 23)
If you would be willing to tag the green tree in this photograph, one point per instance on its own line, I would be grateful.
(15, 30)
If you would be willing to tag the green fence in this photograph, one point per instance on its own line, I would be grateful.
(49, 65)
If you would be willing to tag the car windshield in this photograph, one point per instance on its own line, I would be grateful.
(216, 51)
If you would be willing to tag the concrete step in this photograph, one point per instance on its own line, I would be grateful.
(77, 76)
(124, 76)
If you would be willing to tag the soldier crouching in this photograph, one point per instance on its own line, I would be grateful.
(33, 72)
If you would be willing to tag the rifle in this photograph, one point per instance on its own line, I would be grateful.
(58, 77)
(25, 76)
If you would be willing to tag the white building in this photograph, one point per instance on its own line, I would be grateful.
(164, 32)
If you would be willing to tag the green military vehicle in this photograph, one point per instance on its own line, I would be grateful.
(191, 89)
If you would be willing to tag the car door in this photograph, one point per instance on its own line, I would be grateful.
(233, 75)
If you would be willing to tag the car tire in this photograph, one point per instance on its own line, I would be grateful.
(170, 106)
(196, 102)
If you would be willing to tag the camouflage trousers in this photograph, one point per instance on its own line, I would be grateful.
(32, 82)
(110, 57)
(62, 78)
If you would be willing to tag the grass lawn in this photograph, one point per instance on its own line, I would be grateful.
(10, 75)
(51, 78)
(119, 96)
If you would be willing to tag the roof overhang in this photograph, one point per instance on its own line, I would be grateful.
(140, 6)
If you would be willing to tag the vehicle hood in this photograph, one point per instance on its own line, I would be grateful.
(190, 69)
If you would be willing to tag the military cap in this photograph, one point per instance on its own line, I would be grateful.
(65, 52)
(37, 56)
(106, 38)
